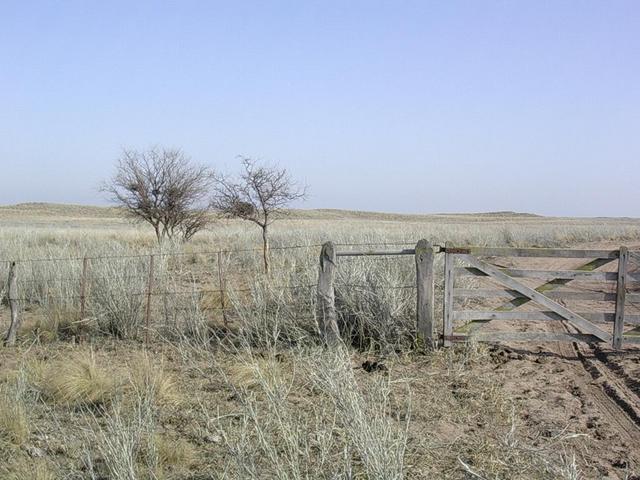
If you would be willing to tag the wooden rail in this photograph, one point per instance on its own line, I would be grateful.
(532, 252)
(364, 253)
(466, 315)
(547, 274)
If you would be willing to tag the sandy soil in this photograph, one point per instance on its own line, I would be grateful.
(590, 389)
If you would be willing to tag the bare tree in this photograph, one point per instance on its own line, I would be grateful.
(164, 188)
(260, 194)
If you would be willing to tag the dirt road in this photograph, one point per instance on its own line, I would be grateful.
(589, 390)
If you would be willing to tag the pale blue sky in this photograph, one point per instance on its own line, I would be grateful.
(424, 106)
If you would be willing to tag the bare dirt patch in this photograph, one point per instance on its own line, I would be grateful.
(591, 390)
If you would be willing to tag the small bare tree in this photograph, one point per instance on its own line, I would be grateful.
(164, 188)
(260, 195)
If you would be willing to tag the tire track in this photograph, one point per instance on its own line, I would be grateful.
(608, 394)
(615, 393)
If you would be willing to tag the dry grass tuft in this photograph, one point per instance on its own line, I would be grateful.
(14, 423)
(253, 371)
(27, 470)
(148, 380)
(78, 381)
(175, 453)
(61, 322)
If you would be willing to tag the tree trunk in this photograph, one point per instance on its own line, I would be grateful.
(265, 248)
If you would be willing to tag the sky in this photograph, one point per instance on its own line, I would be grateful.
(395, 106)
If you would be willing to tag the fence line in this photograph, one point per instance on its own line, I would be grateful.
(329, 279)
(175, 292)
(37, 286)
(41, 290)
(197, 252)
(517, 292)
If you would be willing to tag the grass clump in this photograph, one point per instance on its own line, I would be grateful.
(117, 298)
(149, 381)
(365, 414)
(278, 433)
(303, 416)
(14, 419)
(118, 441)
(23, 469)
(14, 423)
(78, 381)
(175, 453)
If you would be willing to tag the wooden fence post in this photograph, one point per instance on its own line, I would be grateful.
(148, 309)
(222, 288)
(12, 295)
(620, 298)
(326, 308)
(449, 281)
(424, 285)
(83, 286)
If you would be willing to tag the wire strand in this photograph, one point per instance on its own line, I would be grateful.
(202, 252)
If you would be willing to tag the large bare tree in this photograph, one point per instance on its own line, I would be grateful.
(260, 194)
(161, 186)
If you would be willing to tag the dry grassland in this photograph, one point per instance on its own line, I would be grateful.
(254, 395)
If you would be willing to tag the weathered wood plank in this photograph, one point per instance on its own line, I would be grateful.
(526, 337)
(620, 297)
(635, 339)
(468, 315)
(544, 315)
(326, 307)
(496, 293)
(556, 283)
(535, 252)
(539, 298)
(449, 282)
(364, 253)
(543, 274)
(425, 293)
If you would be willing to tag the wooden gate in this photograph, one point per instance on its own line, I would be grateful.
(598, 315)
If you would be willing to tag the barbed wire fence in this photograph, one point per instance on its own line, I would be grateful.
(75, 290)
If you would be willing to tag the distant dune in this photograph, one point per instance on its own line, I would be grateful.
(59, 210)
(42, 209)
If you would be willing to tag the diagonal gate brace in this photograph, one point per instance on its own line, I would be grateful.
(474, 325)
(579, 322)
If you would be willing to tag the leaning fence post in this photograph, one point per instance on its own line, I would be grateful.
(620, 297)
(326, 307)
(12, 295)
(148, 309)
(424, 285)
